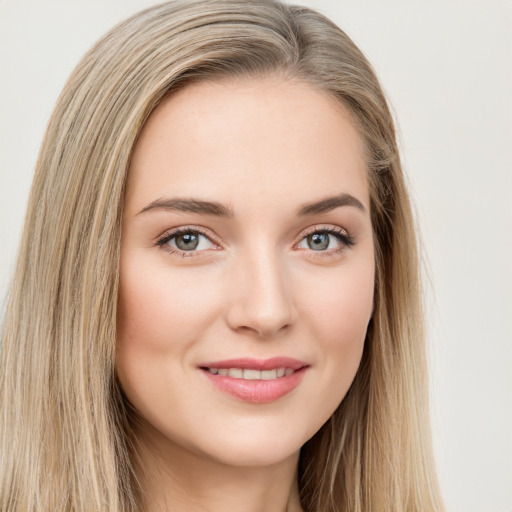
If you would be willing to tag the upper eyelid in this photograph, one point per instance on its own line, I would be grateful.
(325, 227)
(331, 229)
(166, 237)
(170, 234)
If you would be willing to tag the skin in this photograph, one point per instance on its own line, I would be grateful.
(253, 287)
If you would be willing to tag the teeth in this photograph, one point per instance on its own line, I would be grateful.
(248, 374)
(236, 373)
(268, 374)
(252, 374)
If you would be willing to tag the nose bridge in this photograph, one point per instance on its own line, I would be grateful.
(261, 299)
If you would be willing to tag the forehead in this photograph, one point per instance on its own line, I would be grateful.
(241, 139)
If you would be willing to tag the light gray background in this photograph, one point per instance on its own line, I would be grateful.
(447, 68)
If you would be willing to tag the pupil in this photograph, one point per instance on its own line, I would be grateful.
(187, 242)
(318, 241)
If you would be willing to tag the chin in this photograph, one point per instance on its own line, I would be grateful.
(254, 455)
(261, 445)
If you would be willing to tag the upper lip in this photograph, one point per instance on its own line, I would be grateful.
(257, 364)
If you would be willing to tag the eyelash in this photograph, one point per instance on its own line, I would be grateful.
(162, 242)
(341, 235)
(345, 239)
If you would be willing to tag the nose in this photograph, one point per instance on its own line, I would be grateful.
(261, 296)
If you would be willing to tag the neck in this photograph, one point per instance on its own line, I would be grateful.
(180, 480)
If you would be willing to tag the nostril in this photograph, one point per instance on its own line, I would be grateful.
(265, 332)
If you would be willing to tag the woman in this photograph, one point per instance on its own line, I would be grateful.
(216, 303)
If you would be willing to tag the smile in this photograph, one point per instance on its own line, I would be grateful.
(249, 374)
(253, 380)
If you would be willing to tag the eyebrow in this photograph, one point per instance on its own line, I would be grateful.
(330, 203)
(219, 210)
(190, 205)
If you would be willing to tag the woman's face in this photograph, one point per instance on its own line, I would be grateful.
(247, 269)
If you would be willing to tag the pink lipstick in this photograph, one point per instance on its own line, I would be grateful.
(255, 380)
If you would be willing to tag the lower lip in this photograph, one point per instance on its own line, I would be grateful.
(257, 391)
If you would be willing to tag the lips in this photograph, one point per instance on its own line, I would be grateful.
(255, 380)
(250, 374)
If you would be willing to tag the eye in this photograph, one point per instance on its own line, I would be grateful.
(326, 240)
(184, 241)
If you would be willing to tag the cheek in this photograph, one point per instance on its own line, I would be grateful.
(162, 314)
(158, 309)
(342, 303)
(339, 317)
(160, 317)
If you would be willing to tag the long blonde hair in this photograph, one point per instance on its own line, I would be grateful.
(66, 442)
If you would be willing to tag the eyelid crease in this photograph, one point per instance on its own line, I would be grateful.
(170, 233)
(332, 229)
(325, 228)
